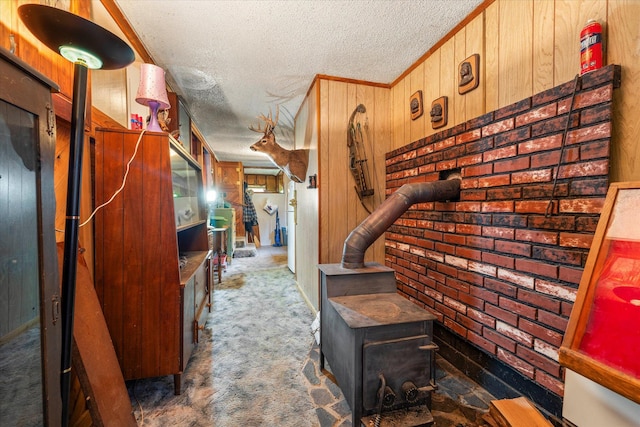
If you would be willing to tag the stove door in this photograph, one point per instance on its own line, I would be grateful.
(399, 361)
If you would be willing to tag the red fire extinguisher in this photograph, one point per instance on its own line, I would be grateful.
(591, 50)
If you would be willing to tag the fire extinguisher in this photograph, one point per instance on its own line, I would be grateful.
(591, 47)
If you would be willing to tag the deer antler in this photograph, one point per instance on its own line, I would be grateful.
(270, 124)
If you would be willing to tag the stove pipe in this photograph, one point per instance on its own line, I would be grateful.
(390, 210)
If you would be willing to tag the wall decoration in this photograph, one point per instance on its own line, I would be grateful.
(313, 181)
(357, 154)
(602, 338)
(293, 163)
(439, 112)
(415, 104)
(469, 74)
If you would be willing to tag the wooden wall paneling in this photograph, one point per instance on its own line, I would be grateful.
(60, 173)
(323, 167)
(339, 176)
(99, 233)
(515, 66)
(85, 233)
(571, 16)
(399, 117)
(28, 47)
(381, 140)
(431, 88)
(214, 167)
(43, 59)
(491, 57)
(474, 43)
(229, 180)
(352, 209)
(459, 113)
(108, 90)
(366, 95)
(543, 45)
(623, 33)
(406, 114)
(567, 39)
(6, 17)
(448, 79)
(416, 83)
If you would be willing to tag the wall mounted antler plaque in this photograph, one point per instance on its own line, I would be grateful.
(415, 104)
(439, 112)
(469, 76)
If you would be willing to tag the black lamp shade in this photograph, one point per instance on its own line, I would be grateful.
(55, 28)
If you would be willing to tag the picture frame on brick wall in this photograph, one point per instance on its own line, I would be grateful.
(469, 74)
(602, 339)
(439, 112)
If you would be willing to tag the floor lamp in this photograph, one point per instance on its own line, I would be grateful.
(87, 45)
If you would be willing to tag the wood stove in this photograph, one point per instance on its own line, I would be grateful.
(378, 344)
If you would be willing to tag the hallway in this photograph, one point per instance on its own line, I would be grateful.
(257, 364)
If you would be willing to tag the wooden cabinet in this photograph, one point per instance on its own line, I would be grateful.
(151, 251)
(30, 324)
(180, 121)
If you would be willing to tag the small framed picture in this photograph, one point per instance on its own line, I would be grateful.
(439, 112)
(415, 105)
(468, 74)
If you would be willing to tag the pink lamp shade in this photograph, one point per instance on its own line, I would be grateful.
(152, 92)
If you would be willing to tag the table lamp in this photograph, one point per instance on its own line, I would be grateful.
(152, 92)
(87, 45)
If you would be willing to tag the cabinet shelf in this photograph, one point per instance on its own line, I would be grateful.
(193, 261)
(189, 226)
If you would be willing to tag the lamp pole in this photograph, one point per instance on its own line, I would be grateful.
(70, 258)
(87, 45)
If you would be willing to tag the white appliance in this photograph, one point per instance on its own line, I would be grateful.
(291, 226)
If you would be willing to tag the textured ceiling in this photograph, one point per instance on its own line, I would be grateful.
(234, 60)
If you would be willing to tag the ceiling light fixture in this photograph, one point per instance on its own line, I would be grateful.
(87, 45)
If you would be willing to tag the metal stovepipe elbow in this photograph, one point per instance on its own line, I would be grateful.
(389, 211)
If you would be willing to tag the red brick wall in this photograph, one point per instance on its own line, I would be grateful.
(493, 267)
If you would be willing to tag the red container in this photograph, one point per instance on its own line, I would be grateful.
(591, 51)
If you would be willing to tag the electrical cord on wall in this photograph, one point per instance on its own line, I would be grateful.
(124, 182)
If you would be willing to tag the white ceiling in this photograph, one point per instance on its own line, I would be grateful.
(232, 60)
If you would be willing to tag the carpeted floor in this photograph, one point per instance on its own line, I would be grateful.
(257, 364)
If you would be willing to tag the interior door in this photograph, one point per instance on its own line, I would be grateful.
(229, 179)
(291, 226)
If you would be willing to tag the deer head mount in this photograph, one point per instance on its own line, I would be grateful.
(292, 162)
